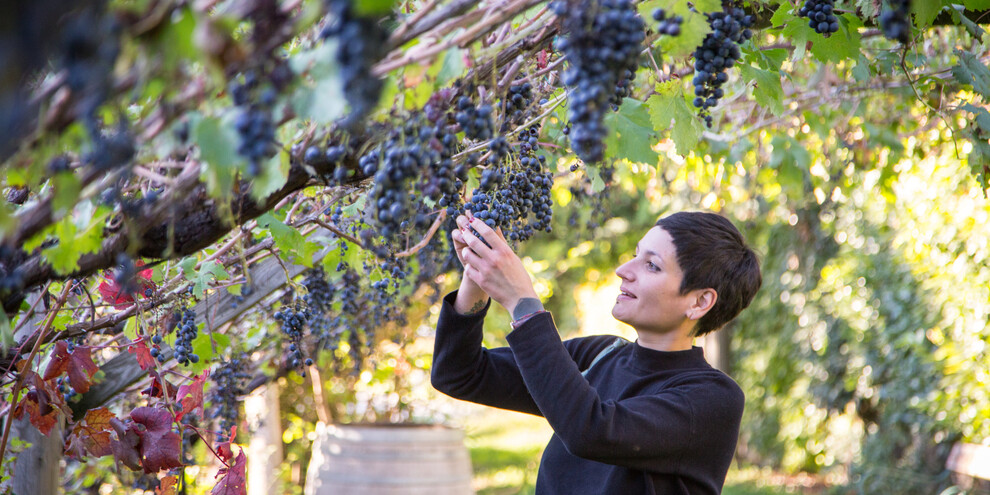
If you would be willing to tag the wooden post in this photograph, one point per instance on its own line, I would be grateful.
(37, 468)
(265, 449)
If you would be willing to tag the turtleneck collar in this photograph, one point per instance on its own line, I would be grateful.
(653, 360)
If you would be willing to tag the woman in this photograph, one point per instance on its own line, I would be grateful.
(651, 417)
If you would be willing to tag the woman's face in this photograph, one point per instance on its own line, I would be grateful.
(650, 298)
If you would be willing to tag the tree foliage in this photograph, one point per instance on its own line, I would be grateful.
(161, 155)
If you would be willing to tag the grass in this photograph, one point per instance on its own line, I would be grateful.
(506, 447)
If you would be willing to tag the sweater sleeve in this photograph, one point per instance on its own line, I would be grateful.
(665, 431)
(464, 369)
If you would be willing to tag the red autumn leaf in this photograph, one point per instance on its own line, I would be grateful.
(190, 395)
(234, 480)
(114, 293)
(159, 444)
(167, 486)
(159, 386)
(143, 354)
(92, 433)
(42, 403)
(223, 449)
(125, 447)
(78, 364)
(40, 414)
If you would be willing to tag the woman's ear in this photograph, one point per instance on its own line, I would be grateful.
(704, 300)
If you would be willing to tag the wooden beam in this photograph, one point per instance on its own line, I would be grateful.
(122, 370)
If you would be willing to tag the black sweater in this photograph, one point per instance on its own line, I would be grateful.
(641, 422)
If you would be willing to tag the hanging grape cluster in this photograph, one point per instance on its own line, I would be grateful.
(602, 44)
(718, 52)
(668, 25)
(329, 157)
(361, 41)
(821, 16)
(185, 332)
(515, 105)
(896, 22)
(514, 191)
(475, 121)
(229, 380)
(253, 120)
(292, 321)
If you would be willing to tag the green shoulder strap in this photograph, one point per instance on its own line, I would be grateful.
(617, 343)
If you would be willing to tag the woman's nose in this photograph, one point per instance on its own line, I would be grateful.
(624, 271)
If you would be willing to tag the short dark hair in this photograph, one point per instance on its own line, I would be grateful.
(713, 254)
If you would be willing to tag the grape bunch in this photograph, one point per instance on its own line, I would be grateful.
(292, 321)
(515, 198)
(515, 104)
(361, 43)
(475, 121)
(229, 380)
(669, 25)
(407, 158)
(326, 159)
(186, 331)
(718, 52)
(603, 42)
(90, 46)
(443, 180)
(821, 16)
(896, 22)
(254, 121)
(319, 301)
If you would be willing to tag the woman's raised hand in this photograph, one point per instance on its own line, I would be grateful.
(490, 263)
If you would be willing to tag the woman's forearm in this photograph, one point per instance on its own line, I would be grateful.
(470, 297)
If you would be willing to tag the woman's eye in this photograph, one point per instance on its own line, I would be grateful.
(652, 267)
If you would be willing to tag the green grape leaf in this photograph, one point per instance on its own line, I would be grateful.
(6, 332)
(926, 11)
(693, 31)
(959, 18)
(972, 72)
(783, 16)
(979, 158)
(289, 240)
(78, 234)
(766, 88)
(274, 174)
(862, 72)
(842, 45)
(320, 97)
(67, 189)
(789, 160)
(373, 8)
(631, 136)
(202, 346)
(449, 67)
(661, 104)
(982, 115)
(218, 143)
(669, 104)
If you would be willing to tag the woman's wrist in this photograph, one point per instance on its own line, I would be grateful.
(470, 298)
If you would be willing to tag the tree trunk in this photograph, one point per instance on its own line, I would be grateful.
(265, 448)
(717, 352)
